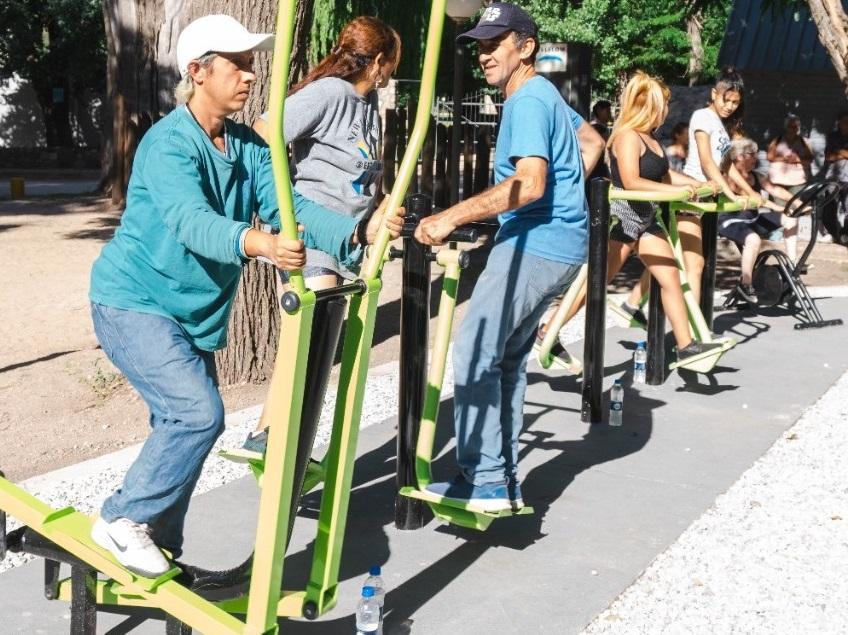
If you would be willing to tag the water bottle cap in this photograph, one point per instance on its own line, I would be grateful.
(368, 592)
(375, 570)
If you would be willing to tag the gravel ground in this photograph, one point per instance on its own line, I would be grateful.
(771, 555)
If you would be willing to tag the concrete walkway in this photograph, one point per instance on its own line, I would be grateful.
(607, 500)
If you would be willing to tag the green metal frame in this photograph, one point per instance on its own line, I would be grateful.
(447, 510)
(697, 324)
(264, 602)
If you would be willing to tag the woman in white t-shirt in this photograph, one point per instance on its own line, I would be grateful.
(709, 142)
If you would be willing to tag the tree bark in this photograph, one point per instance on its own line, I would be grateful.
(694, 28)
(832, 24)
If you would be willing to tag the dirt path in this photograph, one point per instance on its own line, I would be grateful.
(61, 401)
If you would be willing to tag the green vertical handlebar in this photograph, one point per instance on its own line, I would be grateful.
(409, 163)
(286, 11)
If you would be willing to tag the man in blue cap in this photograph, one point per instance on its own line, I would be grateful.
(543, 150)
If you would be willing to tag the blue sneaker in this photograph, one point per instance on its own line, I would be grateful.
(513, 488)
(490, 497)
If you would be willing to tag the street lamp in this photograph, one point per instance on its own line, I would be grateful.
(459, 11)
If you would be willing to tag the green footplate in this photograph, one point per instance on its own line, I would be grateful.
(457, 512)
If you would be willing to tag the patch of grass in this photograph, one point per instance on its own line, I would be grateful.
(103, 382)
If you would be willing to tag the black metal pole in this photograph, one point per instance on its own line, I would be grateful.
(414, 332)
(655, 365)
(709, 237)
(596, 300)
(456, 127)
(83, 601)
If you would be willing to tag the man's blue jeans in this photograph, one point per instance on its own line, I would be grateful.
(490, 354)
(178, 382)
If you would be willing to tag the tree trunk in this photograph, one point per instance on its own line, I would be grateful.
(694, 27)
(141, 75)
(832, 24)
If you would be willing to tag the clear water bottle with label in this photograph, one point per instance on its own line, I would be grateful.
(616, 406)
(640, 363)
(374, 580)
(368, 613)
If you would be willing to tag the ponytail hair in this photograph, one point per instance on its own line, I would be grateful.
(642, 102)
(359, 43)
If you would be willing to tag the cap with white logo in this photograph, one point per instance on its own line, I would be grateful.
(497, 19)
(218, 33)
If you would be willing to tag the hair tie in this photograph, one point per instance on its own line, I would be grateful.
(336, 50)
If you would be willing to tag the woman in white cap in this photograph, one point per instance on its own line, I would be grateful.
(162, 288)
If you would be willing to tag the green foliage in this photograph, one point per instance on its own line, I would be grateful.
(625, 34)
(631, 34)
(54, 40)
(408, 17)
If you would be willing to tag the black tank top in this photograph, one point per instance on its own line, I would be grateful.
(652, 166)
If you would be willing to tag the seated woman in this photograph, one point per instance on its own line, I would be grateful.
(790, 158)
(748, 227)
(637, 162)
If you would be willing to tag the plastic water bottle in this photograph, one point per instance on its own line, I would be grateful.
(640, 360)
(616, 403)
(374, 580)
(368, 613)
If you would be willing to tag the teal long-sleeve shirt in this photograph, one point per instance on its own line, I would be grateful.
(176, 252)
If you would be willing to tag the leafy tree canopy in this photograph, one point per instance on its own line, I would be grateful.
(54, 39)
(632, 34)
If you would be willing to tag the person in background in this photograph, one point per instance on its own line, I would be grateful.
(748, 228)
(710, 131)
(602, 117)
(162, 288)
(836, 155)
(679, 147)
(637, 162)
(538, 198)
(789, 156)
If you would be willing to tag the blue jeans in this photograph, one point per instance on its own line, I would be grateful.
(178, 382)
(490, 354)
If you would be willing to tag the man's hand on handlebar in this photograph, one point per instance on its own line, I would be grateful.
(434, 230)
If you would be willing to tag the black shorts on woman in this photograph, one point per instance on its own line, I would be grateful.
(636, 218)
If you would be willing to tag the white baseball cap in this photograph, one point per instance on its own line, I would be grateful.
(219, 33)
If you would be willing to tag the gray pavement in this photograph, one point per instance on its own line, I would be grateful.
(607, 500)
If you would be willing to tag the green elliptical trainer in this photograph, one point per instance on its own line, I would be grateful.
(252, 589)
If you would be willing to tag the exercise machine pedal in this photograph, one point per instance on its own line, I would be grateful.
(461, 513)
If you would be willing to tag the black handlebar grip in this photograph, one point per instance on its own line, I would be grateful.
(463, 235)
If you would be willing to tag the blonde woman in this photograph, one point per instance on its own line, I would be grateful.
(637, 162)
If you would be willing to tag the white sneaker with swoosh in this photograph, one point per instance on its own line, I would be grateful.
(131, 545)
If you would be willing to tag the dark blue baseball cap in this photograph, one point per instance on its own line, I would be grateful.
(497, 19)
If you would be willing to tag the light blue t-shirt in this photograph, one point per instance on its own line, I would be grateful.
(176, 252)
(538, 123)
